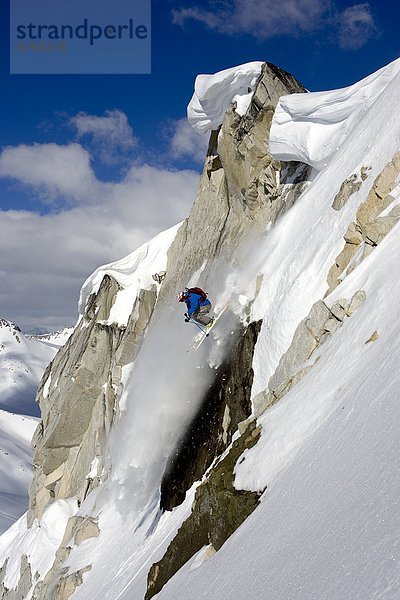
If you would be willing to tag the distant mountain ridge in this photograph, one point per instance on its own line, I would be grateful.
(23, 360)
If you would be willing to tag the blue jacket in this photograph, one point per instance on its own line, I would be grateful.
(194, 301)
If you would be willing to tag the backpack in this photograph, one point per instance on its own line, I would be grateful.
(199, 291)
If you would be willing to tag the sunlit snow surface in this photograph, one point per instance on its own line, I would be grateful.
(213, 94)
(133, 272)
(328, 524)
(311, 128)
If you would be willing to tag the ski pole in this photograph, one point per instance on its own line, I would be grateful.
(197, 325)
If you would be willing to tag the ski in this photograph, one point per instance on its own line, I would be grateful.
(202, 336)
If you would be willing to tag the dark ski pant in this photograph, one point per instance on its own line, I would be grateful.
(201, 315)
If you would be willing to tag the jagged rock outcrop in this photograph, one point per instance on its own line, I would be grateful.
(217, 512)
(24, 583)
(370, 226)
(77, 398)
(241, 190)
(313, 331)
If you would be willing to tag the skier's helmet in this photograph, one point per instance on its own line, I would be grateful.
(183, 295)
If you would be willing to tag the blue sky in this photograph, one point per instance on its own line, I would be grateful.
(133, 160)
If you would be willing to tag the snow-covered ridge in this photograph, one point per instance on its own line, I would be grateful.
(213, 94)
(55, 338)
(312, 127)
(134, 272)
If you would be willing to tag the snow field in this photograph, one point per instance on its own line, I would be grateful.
(22, 363)
(303, 245)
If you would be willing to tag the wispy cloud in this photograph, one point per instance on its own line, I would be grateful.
(111, 133)
(262, 19)
(356, 26)
(265, 19)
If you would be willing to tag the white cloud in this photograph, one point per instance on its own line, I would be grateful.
(44, 259)
(265, 19)
(260, 18)
(51, 170)
(186, 143)
(112, 133)
(356, 26)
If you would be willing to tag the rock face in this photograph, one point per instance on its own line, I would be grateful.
(218, 510)
(225, 405)
(371, 226)
(242, 192)
(242, 188)
(78, 402)
(313, 331)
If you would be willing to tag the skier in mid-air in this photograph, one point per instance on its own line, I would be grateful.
(198, 306)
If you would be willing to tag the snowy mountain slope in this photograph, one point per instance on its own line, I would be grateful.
(327, 526)
(15, 465)
(328, 455)
(329, 522)
(22, 363)
(318, 459)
